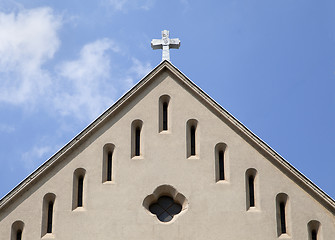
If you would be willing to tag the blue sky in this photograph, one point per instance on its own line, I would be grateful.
(269, 63)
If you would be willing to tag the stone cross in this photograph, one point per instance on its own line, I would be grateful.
(165, 43)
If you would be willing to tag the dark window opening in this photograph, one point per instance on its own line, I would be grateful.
(314, 237)
(109, 166)
(192, 141)
(251, 191)
(50, 212)
(282, 217)
(165, 117)
(137, 141)
(80, 191)
(19, 235)
(221, 165)
(165, 208)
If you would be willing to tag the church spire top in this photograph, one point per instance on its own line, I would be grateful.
(165, 43)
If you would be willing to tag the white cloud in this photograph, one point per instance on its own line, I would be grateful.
(6, 128)
(136, 72)
(85, 87)
(28, 39)
(35, 156)
(80, 88)
(139, 68)
(90, 84)
(124, 5)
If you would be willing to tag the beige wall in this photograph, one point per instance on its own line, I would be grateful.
(216, 210)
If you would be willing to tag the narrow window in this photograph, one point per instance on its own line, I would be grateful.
(314, 237)
(251, 191)
(250, 184)
(220, 150)
(165, 117)
(78, 188)
(16, 231)
(50, 213)
(109, 166)
(137, 141)
(192, 140)
(107, 162)
(19, 235)
(163, 113)
(221, 165)
(314, 230)
(47, 213)
(136, 138)
(282, 217)
(282, 205)
(80, 191)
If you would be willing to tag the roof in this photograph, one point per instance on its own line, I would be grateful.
(223, 114)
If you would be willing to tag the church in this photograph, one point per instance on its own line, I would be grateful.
(166, 162)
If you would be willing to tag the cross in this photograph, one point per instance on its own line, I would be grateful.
(165, 43)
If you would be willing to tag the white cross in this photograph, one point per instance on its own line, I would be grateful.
(165, 43)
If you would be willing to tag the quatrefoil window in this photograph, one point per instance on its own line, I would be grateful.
(165, 208)
(165, 203)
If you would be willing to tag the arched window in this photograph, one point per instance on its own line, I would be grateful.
(80, 191)
(221, 164)
(314, 235)
(136, 143)
(314, 229)
(164, 113)
(191, 138)
(251, 188)
(50, 214)
(17, 230)
(165, 116)
(282, 217)
(220, 150)
(78, 188)
(47, 213)
(107, 165)
(19, 234)
(250, 176)
(282, 213)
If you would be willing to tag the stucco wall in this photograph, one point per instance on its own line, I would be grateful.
(216, 210)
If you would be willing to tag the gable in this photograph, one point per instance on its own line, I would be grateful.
(164, 160)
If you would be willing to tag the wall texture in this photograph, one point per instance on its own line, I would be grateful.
(211, 209)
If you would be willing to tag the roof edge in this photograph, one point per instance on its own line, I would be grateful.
(265, 147)
(312, 188)
(74, 141)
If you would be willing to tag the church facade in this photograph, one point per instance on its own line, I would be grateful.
(166, 162)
